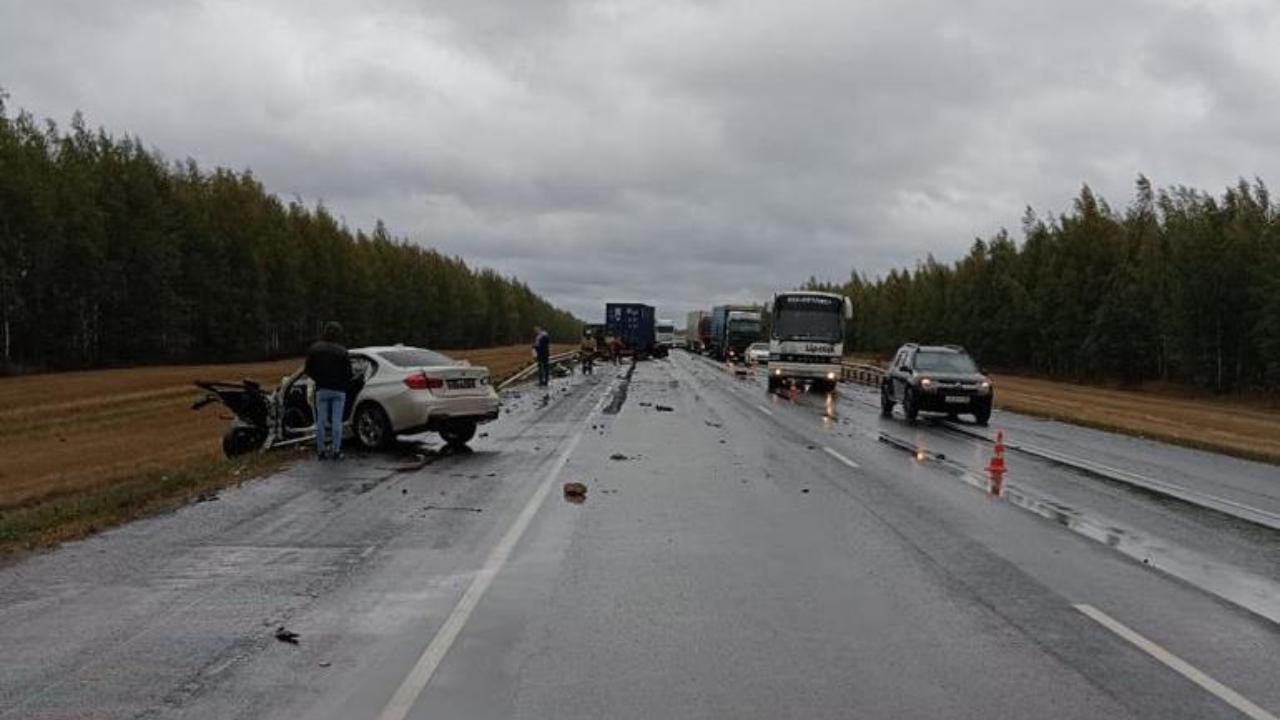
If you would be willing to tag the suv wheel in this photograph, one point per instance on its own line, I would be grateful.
(909, 406)
(774, 382)
(458, 433)
(373, 429)
(983, 414)
(886, 402)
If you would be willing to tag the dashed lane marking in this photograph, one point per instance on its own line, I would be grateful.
(1177, 664)
(764, 410)
(841, 458)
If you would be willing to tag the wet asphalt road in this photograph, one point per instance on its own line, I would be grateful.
(744, 555)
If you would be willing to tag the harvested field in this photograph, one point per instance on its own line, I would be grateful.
(1240, 426)
(1233, 427)
(77, 439)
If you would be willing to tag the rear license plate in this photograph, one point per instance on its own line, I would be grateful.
(463, 384)
(957, 398)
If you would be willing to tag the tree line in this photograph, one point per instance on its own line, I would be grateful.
(109, 255)
(1180, 286)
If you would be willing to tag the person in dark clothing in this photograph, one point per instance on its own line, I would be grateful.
(542, 351)
(329, 368)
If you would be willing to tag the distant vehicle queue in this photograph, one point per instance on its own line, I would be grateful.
(799, 335)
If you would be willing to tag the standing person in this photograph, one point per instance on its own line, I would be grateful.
(329, 368)
(542, 351)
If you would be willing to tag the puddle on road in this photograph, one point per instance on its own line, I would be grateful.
(1253, 592)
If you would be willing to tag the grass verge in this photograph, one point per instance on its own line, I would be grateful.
(68, 517)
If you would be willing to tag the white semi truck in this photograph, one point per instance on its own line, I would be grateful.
(806, 339)
(665, 338)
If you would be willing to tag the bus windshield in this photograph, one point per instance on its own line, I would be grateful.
(808, 317)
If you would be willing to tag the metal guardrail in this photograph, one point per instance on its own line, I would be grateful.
(557, 359)
(861, 373)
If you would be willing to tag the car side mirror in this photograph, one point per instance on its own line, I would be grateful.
(904, 368)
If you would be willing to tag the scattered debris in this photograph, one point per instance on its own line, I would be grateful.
(708, 423)
(618, 456)
(664, 408)
(575, 492)
(804, 491)
(811, 447)
(324, 663)
(286, 636)
(453, 507)
(207, 496)
(404, 491)
(491, 474)
(645, 404)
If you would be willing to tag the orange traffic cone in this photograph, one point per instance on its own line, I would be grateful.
(995, 466)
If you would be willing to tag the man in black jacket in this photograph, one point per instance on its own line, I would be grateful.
(542, 353)
(329, 368)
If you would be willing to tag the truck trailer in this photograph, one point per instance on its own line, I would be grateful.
(694, 330)
(633, 325)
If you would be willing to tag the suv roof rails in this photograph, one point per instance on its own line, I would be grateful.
(911, 345)
(957, 348)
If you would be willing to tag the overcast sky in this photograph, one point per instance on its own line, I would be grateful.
(683, 153)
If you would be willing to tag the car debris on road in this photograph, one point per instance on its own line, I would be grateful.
(575, 492)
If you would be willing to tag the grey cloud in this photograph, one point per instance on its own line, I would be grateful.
(681, 152)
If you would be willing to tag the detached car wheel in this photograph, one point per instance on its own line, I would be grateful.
(372, 427)
(242, 440)
(458, 433)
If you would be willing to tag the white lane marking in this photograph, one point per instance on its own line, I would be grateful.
(416, 681)
(1182, 667)
(764, 410)
(841, 458)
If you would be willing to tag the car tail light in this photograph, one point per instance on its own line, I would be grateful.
(422, 381)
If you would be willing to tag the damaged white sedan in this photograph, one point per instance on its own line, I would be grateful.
(395, 390)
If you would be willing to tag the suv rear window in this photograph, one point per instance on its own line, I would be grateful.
(944, 362)
(416, 357)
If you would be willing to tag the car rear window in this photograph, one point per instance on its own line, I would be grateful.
(944, 362)
(416, 357)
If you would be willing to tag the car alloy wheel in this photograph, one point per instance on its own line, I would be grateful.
(373, 430)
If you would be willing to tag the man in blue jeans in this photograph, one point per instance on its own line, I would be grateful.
(329, 368)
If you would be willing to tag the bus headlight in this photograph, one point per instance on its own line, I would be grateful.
(831, 376)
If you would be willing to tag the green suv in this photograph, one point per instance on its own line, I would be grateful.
(935, 378)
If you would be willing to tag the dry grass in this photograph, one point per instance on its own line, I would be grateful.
(1228, 425)
(84, 450)
(1243, 426)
